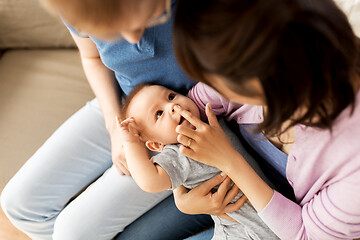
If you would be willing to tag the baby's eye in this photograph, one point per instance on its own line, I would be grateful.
(158, 114)
(171, 96)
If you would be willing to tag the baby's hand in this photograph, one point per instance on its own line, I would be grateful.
(128, 130)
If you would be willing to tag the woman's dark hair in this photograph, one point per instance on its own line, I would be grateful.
(304, 53)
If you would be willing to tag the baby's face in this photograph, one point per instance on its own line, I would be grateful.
(154, 114)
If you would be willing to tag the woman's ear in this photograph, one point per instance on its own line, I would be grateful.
(154, 146)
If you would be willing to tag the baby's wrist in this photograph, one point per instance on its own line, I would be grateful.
(132, 142)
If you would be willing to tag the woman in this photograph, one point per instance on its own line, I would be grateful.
(126, 42)
(301, 61)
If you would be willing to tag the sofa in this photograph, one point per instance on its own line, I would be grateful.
(41, 81)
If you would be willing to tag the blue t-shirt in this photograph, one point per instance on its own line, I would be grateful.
(152, 59)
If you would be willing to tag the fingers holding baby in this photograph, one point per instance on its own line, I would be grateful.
(207, 143)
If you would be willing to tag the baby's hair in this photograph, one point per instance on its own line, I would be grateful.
(126, 102)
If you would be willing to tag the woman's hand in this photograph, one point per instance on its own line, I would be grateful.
(207, 143)
(201, 200)
(122, 132)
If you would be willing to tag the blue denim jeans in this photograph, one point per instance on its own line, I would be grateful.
(205, 235)
(166, 222)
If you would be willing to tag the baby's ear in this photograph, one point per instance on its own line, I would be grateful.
(154, 146)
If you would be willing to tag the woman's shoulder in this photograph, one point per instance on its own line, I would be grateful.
(330, 148)
(345, 126)
(349, 115)
(328, 155)
(323, 159)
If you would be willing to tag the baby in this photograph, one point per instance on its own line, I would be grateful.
(151, 121)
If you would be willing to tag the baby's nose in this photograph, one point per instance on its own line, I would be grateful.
(172, 108)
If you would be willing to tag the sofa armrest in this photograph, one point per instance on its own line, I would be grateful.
(39, 90)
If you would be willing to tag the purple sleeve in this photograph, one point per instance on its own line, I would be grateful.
(202, 94)
(323, 217)
(282, 216)
(324, 169)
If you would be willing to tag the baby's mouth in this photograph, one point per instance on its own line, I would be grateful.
(181, 120)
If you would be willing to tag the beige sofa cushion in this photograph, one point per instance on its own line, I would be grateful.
(39, 90)
(352, 9)
(24, 23)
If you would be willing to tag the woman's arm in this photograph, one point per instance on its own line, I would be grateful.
(330, 212)
(108, 93)
(202, 94)
(101, 79)
(211, 146)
